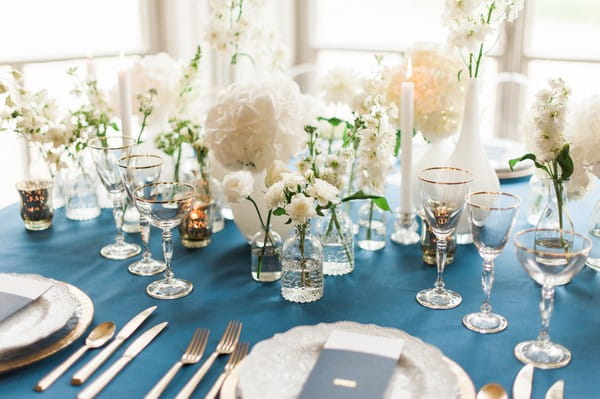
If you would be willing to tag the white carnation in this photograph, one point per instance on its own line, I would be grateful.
(323, 192)
(274, 196)
(238, 186)
(275, 172)
(291, 181)
(301, 209)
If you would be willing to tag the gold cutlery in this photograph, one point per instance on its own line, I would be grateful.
(97, 337)
(523, 382)
(192, 355)
(225, 347)
(84, 373)
(132, 351)
(556, 391)
(236, 357)
(492, 391)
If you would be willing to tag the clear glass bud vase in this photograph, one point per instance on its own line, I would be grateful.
(81, 200)
(336, 232)
(302, 266)
(593, 259)
(265, 250)
(371, 227)
(539, 191)
(556, 212)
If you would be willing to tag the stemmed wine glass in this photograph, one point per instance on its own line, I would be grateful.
(106, 152)
(136, 171)
(492, 216)
(443, 190)
(551, 257)
(164, 205)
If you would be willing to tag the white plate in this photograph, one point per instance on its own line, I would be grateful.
(48, 314)
(279, 366)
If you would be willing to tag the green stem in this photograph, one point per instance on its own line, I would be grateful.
(267, 230)
(302, 232)
(341, 234)
(370, 221)
(478, 61)
(177, 161)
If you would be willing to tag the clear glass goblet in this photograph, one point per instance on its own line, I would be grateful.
(106, 152)
(550, 257)
(492, 216)
(164, 205)
(138, 170)
(443, 190)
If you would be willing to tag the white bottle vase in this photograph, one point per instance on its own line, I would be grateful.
(470, 154)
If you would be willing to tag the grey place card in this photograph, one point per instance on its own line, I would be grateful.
(353, 366)
(17, 292)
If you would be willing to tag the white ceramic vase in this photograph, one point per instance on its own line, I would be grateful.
(433, 154)
(470, 154)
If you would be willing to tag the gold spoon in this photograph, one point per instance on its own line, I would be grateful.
(492, 391)
(97, 337)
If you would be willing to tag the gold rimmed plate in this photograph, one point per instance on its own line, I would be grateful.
(75, 327)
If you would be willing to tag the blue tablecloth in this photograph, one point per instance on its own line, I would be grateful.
(381, 290)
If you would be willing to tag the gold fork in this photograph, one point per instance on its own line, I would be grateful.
(236, 357)
(226, 346)
(192, 355)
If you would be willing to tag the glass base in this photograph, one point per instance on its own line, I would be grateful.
(266, 277)
(37, 225)
(464, 238)
(439, 298)
(337, 268)
(169, 289)
(148, 267)
(593, 263)
(485, 323)
(405, 237)
(302, 295)
(549, 356)
(371, 245)
(192, 243)
(120, 251)
(82, 213)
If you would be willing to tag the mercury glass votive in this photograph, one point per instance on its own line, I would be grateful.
(196, 227)
(36, 203)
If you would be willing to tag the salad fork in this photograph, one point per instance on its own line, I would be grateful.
(236, 357)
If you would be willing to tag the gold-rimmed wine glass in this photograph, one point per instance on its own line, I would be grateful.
(106, 152)
(137, 170)
(443, 190)
(164, 205)
(492, 216)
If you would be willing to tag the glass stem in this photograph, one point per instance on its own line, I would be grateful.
(118, 214)
(167, 244)
(546, 307)
(440, 259)
(487, 282)
(145, 233)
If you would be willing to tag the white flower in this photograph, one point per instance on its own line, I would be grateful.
(238, 186)
(275, 172)
(323, 192)
(329, 132)
(340, 85)
(301, 209)
(253, 124)
(291, 181)
(274, 196)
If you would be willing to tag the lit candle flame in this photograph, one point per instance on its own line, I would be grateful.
(409, 68)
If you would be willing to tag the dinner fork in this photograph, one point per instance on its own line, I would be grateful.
(236, 357)
(225, 346)
(192, 355)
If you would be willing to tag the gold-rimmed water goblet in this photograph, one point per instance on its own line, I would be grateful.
(492, 216)
(137, 170)
(551, 257)
(106, 152)
(443, 191)
(164, 204)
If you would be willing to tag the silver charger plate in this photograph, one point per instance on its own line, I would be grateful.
(279, 366)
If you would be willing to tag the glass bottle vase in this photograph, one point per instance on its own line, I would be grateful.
(593, 259)
(265, 250)
(556, 212)
(335, 230)
(80, 193)
(302, 266)
(371, 227)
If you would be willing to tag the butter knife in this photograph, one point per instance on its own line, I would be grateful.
(132, 351)
(523, 382)
(556, 391)
(84, 373)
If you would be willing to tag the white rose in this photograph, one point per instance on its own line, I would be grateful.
(274, 197)
(275, 172)
(238, 186)
(323, 192)
(301, 209)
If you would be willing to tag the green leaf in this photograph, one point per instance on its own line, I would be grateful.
(378, 200)
(458, 75)
(288, 221)
(319, 211)
(382, 203)
(566, 162)
(398, 142)
(529, 156)
(279, 211)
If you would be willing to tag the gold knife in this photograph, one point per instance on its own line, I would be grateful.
(132, 351)
(84, 373)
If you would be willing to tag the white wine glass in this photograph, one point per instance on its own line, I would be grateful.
(106, 152)
(443, 190)
(550, 257)
(492, 216)
(165, 204)
(137, 170)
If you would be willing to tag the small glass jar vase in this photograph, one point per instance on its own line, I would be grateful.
(131, 218)
(302, 266)
(196, 226)
(593, 259)
(371, 227)
(265, 251)
(429, 243)
(80, 190)
(539, 191)
(36, 203)
(336, 232)
(556, 212)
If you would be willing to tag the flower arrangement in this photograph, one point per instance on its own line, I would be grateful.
(472, 24)
(253, 124)
(439, 96)
(551, 148)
